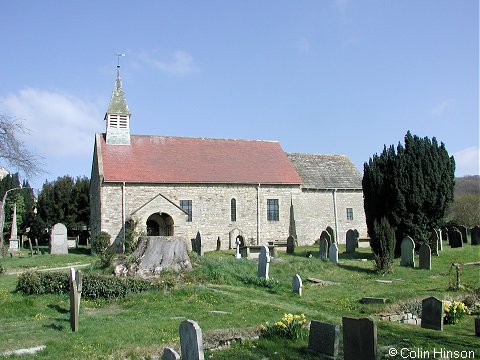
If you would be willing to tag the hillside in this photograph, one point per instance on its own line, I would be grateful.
(467, 185)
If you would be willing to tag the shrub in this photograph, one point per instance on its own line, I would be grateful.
(383, 245)
(290, 327)
(101, 243)
(453, 312)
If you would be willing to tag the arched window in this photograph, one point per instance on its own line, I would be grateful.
(233, 210)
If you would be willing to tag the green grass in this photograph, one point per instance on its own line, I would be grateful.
(141, 325)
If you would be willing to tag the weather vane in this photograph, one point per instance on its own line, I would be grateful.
(118, 55)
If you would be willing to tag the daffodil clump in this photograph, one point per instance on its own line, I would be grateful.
(453, 311)
(290, 327)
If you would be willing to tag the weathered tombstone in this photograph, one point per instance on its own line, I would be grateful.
(357, 235)
(359, 339)
(326, 235)
(323, 339)
(440, 242)
(297, 284)
(237, 249)
(58, 239)
(14, 244)
(241, 240)
(219, 243)
(455, 238)
(444, 233)
(323, 248)
(463, 230)
(263, 262)
(290, 245)
(451, 235)
(432, 314)
(331, 233)
(350, 241)
(407, 252)
(191, 340)
(474, 235)
(333, 253)
(198, 244)
(170, 354)
(433, 241)
(425, 257)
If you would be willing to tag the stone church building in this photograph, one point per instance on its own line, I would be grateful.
(220, 187)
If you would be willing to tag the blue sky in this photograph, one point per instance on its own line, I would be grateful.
(324, 76)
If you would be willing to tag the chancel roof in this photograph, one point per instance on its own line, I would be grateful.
(326, 171)
(164, 159)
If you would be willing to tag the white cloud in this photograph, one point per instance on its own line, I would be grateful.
(180, 63)
(441, 108)
(467, 161)
(61, 125)
(303, 45)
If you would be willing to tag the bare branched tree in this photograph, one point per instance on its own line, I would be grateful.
(12, 149)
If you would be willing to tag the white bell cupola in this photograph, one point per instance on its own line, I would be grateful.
(117, 117)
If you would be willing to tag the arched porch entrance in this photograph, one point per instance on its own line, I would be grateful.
(160, 224)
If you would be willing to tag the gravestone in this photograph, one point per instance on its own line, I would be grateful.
(432, 314)
(75, 281)
(326, 235)
(357, 235)
(323, 339)
(290, 245)
(407, 252)
(323, 248)
(241, 240)
(219, 243)
(359, 339)
(170, 354)
(474, 234)
(331, 233)
(433, 241)
(232, 236)
(14, 242)
(197, 245)
(58, 239)
(455, 238)
(333, 253)
(425, 257)
(191, 340)
(440, 242)
(463, 230)
(477, 326)
(297, 284)
(351, 241)
(450, 230)
(263, 262)
(444, 233)
(237, 249)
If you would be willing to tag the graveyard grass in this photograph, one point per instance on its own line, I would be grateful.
(140, 326)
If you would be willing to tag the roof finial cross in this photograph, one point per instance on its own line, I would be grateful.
(118, 55)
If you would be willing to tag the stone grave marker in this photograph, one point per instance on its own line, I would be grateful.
(474, 234)
(58, 239)
(463, 230)
(323, 250)
(263, 262)
(323, 339)
(407, 252)
(432, 314)
(237, 249)
(425, 257)
(170, 354)
(232, 236)
(333, 253)
(455, 238)
(197, 245)
(14, 242)
(77, 276)
(191, 340)
(290, 245)
(326, 235)
(219, 243)
(439, 242)
(331, 233)
(477, 326)
(359, 339)
(241, 240)
(351, 241)
(297, 284)
(74, 300)
(433, 241)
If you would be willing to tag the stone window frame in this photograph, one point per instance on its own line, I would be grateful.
(233, 209)
(273, 210)
(349, 213)
(186, 205)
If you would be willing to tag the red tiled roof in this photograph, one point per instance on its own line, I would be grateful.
(163, 159)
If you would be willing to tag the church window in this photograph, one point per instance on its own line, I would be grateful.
(349, 214)
(272, 209)
(233, 210)
(186, 206)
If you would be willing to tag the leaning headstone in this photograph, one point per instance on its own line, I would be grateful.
(425, 257)
(333, 253)
(474, 234)
(191, 340)
(297, 284)
(290, 245)
(359, 339)
(463, 230)
(58, 239)
(351, 241)
(263, 262)
(433, 241)
(78, 277)
(331, 233)
(407, 252)
(323, 249)
(432, 314)
(455, 238)
(170, 354)
(323, 339)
